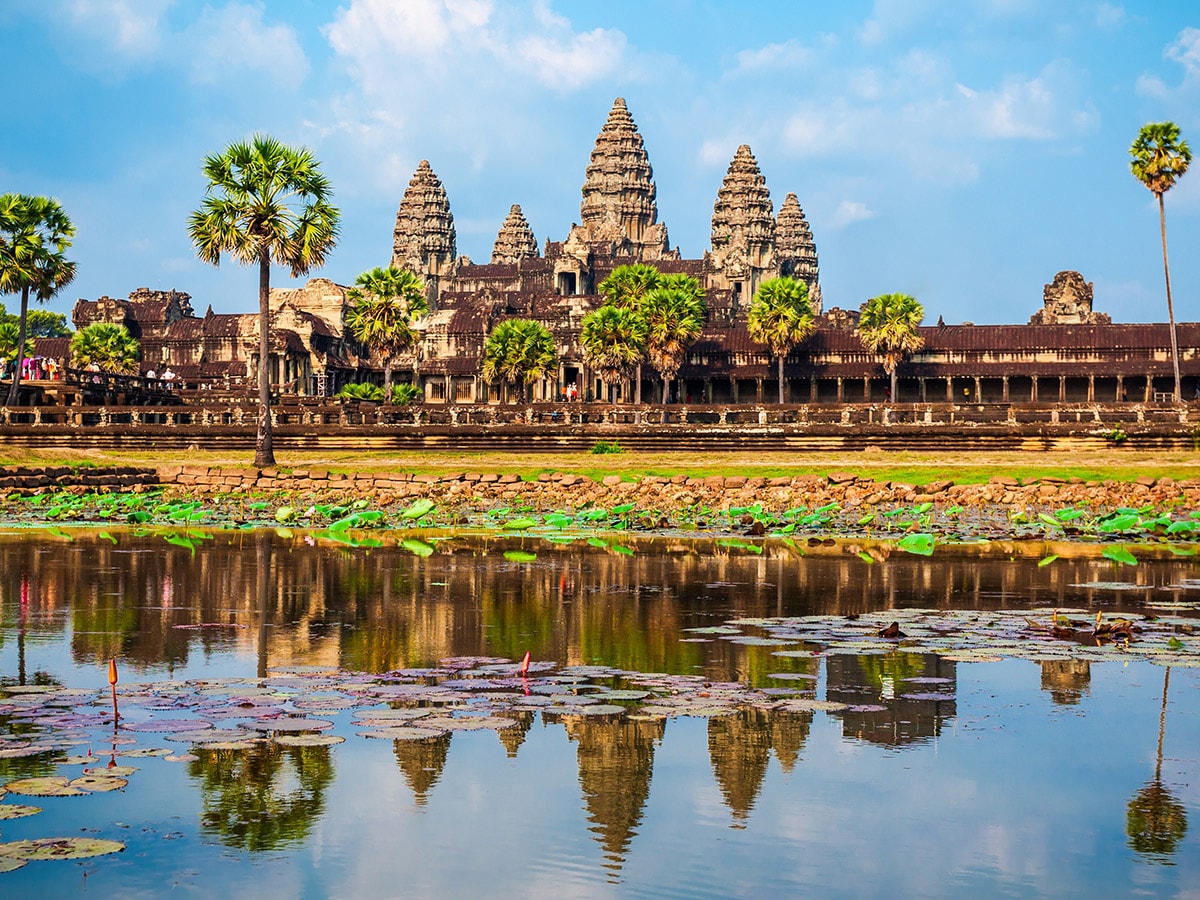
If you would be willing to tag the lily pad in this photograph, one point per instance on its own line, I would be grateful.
(61, 848)
(98, 784)
(17, 810)
(45, 786)
(308, 740)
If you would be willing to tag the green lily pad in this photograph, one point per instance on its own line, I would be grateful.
(1120, 554)
(45, 786)
(519, 556)
(417, 548)
(17, 810)
(60, 848)
(98, 784)
(308, 740)
(418, 509)
(919, 543)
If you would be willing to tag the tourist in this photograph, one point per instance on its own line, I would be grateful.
(150, 376)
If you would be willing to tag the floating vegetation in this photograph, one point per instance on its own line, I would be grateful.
(60, 848)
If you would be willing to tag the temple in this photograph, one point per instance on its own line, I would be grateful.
(1067, 352)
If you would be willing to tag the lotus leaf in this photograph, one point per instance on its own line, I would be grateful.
(17, 810)
(60, 848)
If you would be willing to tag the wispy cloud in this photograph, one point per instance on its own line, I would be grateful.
(850, 211)
(231, 40)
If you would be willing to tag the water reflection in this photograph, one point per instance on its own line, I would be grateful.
(1155, 821)
(273, 600)
(262, 798)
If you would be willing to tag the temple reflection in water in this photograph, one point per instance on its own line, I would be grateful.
(158, 600)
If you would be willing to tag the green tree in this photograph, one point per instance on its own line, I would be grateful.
(386, 303)
(1159, 159)
(627, 287)
(111, 347)
(38, 323)
(35, 234)
(888, 327)
(613, 341)
(10, 333)
(267, 202)
(519, 351)
(675, 313)
(781, 317)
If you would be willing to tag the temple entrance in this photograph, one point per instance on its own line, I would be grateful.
(566, 284)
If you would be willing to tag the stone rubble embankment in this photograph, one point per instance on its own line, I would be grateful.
(477, 491)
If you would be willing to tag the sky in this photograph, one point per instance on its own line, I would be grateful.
(961, 152)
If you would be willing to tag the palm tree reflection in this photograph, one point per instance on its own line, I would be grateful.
(1154, 820)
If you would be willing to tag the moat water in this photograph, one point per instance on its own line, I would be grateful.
(805, 755)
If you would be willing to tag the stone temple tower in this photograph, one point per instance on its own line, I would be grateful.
(515, 240)
(743, 229)
(618, 204)
(424, 239)
(795, 250)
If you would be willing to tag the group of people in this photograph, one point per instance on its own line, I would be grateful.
(570, 391)
(33, 368)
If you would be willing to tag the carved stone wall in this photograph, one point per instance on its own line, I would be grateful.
(424, 240)
(618, 204)
(515, 240)
(795, 250)
(743, 226)
(1067, 300)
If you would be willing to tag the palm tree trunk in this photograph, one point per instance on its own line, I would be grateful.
(666, 390)
(1162, 222)
(387, 380)
(637, 389)
(780, 361)
(264, 449)
(893, 388)
(15, 390)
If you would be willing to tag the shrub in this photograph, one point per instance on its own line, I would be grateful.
(607, 447)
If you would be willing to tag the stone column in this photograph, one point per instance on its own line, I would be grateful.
(1120, 387)
(812, 389)
(1091, 389)
(840, 390)
(1004, 387)
(1033, 389)
(1062, 388)
(949, 389)
(866, 389)
(978, 389)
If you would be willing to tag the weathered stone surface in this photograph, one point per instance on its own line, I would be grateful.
(795, 250)
(515, 240)
(618, 203)
(743, 224)
(424, 240)
(1067, 300)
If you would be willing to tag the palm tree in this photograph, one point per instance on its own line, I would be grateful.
(1159, 159)
(110, 347)
(613, 341)
(888, 327)
(519, 351)
(781, 317)
(10, 333)
(34, 236)
(386, 302)
(675, 314)
(267, 202)
(627, 287)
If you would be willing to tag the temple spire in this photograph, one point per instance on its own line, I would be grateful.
(515, 240)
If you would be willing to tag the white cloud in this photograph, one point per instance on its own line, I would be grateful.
(822, 130)
(583, 59)
(128, 27)
(850, 211)
(235, 39)
(1040, 108)
(1186, 51)
(1109, 15)
(789, 54)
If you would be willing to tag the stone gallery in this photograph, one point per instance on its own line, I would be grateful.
(1067, 352)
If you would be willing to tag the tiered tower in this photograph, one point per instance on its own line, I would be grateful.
(619, 194)
(424, 239)
(795, 250)
(743, 228)
(515, 240)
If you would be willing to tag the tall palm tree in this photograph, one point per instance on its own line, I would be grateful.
(267, 202)
(34, 236)
(1155, 821)
(1159, 159)
(781, 317)
(627, 287)
(613, 341)
(111, 347)
(519, 351)
(888, 327)
(386, 302)
(675, 313)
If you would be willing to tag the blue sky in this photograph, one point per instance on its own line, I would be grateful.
(960, 152)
